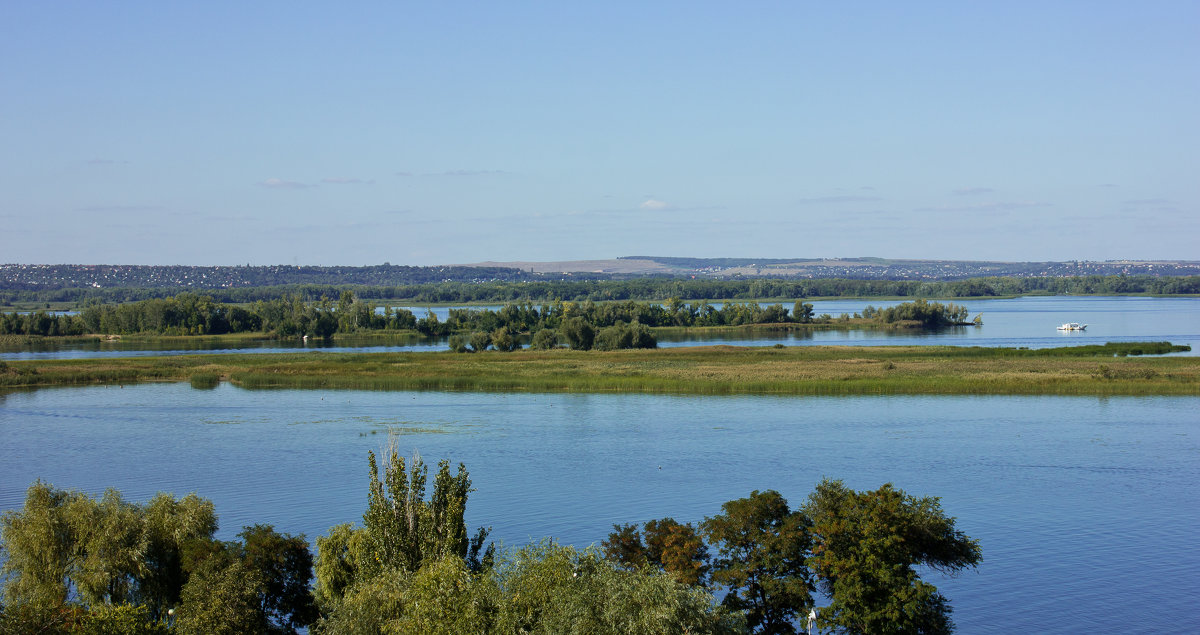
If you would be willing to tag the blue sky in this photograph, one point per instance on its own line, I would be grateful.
(434, 133)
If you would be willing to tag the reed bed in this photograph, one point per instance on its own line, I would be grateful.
(806, 370)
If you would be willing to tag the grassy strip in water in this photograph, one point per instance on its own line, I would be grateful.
(806, 370)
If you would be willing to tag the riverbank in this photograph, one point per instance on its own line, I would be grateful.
(807, 370)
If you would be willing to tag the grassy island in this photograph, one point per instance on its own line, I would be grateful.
(1111, 369)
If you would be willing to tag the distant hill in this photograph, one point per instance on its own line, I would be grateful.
(856, 268)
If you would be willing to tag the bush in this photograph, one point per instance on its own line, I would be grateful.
(458, 343)
(579, 333)
(504, 341)
(480, 341)
(621, 336)
(544, 339)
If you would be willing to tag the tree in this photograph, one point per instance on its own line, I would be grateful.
(83, 559)
(220, 600)
(503, 340)
(480, 340)
(284, 564)
(761, 557)
(39, 547)
(544, 339)
(401, 530)
(802, 312)
(865, 547)
(670, 546)
(550, 588)
(179, 534)
(579, 333)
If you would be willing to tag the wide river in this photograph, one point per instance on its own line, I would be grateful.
(1029, 321)
(1086, 509)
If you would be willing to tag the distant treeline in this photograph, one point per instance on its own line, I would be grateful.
(579, 325)
(645, 289)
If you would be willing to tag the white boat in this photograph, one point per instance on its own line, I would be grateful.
(1072, 326)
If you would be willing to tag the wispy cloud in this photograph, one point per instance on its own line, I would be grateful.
(820, 200)
(973, 191)
(456, 173)
(281, 184)
(1147, 201)
(655, 205)
(471, 173)
(985, 207)
(100, 161)
(121, 209)
(347, 180)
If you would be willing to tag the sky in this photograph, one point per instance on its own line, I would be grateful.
(423, 133)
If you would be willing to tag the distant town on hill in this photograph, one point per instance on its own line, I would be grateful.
(30, 277)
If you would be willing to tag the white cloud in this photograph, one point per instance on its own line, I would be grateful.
(656, 205)
(971, 191)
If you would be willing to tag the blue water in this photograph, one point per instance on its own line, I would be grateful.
(1085, 508)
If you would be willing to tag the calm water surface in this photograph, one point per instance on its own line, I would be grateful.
(1028, 321)
(1085, 508)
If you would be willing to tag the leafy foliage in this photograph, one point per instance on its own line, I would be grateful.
(401, 530)
(866, 546)
(69, 554)
(762, 549)
(673, 547)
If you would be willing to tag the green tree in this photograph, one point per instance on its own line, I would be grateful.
(458, 343)
(579, 333)
(401, 529)
(178, 534)
(284, 564)
(40, 555)
(762, 547)
(119, 619)
(222, 600)
(802, 312)
(503, 340)
(673, 547)
(866, 546)
(550, 588)
(544, 339)
(480, 340)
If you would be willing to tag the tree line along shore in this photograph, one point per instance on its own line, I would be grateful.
(76, 564)
(1109, 369)
(484, 288)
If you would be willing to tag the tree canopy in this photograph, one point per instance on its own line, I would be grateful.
(84, 565)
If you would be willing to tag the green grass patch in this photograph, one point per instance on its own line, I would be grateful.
(1111, 369)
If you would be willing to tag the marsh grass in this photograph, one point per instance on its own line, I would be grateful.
(802, 370)
(204, 381)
